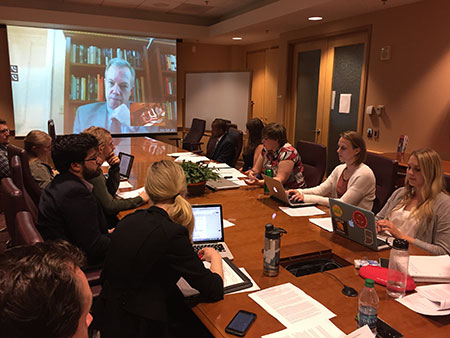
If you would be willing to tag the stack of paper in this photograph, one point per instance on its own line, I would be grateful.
(430, 268)
(430, 300)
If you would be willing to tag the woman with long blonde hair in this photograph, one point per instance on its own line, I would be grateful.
(150, 250)
(38, 146)
(419, 211)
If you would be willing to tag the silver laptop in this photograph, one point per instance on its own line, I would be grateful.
(221, 184)
(276, 190)
(208, 229)
(356, 224)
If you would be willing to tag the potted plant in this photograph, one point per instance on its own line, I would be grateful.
(196, 176)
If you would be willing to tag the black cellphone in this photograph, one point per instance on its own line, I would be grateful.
(384, 262)
(240, 323)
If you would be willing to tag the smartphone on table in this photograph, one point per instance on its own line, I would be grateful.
(240, 323)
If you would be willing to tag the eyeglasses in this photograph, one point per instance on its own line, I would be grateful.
(3, 131)
(93, 158)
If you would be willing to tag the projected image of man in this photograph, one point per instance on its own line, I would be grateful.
(114, 114)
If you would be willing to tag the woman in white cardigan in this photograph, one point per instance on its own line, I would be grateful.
(352, 182)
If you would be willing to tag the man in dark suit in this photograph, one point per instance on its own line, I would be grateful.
(68, 210)
(224, 150)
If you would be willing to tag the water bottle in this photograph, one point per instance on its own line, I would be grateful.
(268, 172)
(398, 269)
(272, 242)
(368, 306)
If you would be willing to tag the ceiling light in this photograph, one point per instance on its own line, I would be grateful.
(236, 38)
(315, 18)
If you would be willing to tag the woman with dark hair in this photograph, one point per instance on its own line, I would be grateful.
(419, 211)
(254, 146)
(150, 250)
(352, 181)
(279, 156)
(38, 146)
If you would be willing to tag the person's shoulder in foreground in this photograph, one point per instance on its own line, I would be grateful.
(43, 292)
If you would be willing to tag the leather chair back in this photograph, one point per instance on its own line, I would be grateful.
(51, 129)
(192, 139)
(314, 160)
(385, 171)
(12, 202)
(17, 176)
(447, 182)
(30, 184)
(26, 232)
(236, 136)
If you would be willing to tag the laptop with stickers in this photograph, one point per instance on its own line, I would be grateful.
(356, 224)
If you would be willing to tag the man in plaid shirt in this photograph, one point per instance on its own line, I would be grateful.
(4, 140)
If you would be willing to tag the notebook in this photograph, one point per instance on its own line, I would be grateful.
(126, 163)
(276, 190)
(208, 229)
(356, 224)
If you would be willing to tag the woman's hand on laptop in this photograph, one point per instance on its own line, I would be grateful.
(295, 195)
(383, 225)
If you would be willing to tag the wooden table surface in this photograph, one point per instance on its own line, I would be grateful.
(249, 209)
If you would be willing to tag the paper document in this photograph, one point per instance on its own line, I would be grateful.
(309, 328)
(420, 304)
(437, 293)
(125, 184)
(186, 153)
(227, 224)
(218, 165)
(238, 182)
(290, 305)
(130, 194)
(192, 158)
(430, 268)
(304, 211)
(255, 286)
(325, 223)
(230, 173)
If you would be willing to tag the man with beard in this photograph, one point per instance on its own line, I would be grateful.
(68, 210)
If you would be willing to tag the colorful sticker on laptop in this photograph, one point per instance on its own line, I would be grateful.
(337, 211)
(368, 237)
(360, 219)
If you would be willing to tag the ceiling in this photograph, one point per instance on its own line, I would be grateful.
(216, 21)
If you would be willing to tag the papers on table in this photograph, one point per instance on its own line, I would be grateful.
(230, 173)
(192, 158)
(185, 153)
(430, 268)
(290, 305)
(218, 165)
(430, 300)
(325, 223)
(125, 184)
(309, 328)
(227, 224)
(130, 194)
(302, 211)
(254, 287)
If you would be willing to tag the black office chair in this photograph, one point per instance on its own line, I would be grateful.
(385, 171)
(51, 129)
(30, 184)
(236, 136)
(191, 141)
(314, 160)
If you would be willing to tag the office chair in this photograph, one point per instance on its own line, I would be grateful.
(236, 136)
(314, 160)
(447, 182)
(191, 141)
(385, 171)
(30, 184)
(17, 177)
(26, 232)
(51, 130)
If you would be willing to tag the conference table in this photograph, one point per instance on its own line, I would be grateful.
(249, 209)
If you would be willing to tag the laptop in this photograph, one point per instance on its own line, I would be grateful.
(126, 163)
(276, 190)
(221, 184)
(208, 229)
(356, 224)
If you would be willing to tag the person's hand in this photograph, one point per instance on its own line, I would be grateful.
(388, 226)
(209, 254)
(144, 196)
(122, 114)
(113, 159)
(295, 195)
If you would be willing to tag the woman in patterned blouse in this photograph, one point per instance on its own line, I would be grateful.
(279, 156)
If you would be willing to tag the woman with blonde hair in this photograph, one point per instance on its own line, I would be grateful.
(419, 211)
(38, 147)
(352, 182)
(150, 250)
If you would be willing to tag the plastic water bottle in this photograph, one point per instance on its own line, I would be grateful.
(368, 306)
(268, 172)
(398, 269)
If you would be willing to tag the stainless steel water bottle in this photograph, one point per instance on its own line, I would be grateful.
(272, 242)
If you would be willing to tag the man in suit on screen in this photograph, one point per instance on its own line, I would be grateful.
(114, 114)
